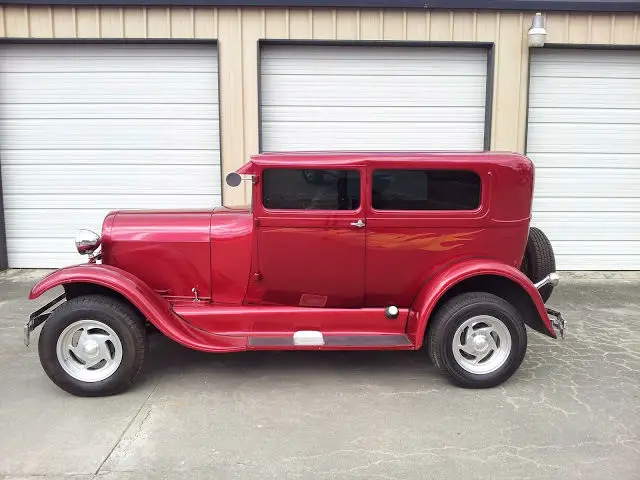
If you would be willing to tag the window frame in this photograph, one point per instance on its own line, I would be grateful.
(480, 210)
(315, 212)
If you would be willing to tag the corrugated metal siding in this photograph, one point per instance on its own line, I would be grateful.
(239, 30)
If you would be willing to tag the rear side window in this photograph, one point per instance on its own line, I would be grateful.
(300, 189)
(425, 190)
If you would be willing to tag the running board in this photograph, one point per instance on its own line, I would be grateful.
(328, 342)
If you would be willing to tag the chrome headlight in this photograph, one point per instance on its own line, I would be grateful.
(87, 242)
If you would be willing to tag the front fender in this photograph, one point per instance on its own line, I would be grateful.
(446, 278)
(151, 305)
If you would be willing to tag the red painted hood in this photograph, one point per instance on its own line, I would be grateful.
(167, 249)
(176, 251)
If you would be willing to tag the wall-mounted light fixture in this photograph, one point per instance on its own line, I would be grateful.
(538, 32)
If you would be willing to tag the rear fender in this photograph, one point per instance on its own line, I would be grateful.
(150, 304)
(478, 275)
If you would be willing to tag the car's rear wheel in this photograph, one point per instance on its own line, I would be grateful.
(93, 346)
(478, 339)
(539, 260)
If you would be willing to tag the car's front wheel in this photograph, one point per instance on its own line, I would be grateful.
(478, 339)
(93, 346)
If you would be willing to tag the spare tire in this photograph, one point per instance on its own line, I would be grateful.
(539, 260)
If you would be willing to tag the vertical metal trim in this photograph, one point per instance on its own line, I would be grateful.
(404, 24)
(27, 17)
(488, 108)
(259, 82)
(216, 44)
(4, 256)
(52, 25)
(527, 92)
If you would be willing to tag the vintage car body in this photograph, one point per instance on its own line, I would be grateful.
(256, 278)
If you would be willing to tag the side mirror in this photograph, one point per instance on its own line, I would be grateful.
(233, 179)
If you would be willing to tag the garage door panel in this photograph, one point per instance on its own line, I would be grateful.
(86, 129)
(597, 70)
(402, 67)
(171, 179)
(283, 56)
(62, 111)
(72, 158)
(364, 90)
(569, 204)
(585, 160)
(580, 226)
(371, 136)
(110, 133)
(581, 183)
(62, 245)
(105, 64)
(108, 201)
(611, 261)
(366, 114)
(586, 64)
(50, 223)
(595, 247)
(46, 259)
(40, 223)
(593, 92)
(116, 87)
(582, 138)
(584, 116)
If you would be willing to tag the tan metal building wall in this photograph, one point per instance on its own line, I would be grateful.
(239, 29)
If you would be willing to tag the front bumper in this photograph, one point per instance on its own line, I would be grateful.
(558, 321)
(38, 317)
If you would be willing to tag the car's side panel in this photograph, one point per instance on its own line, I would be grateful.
(232, 248)
(447, 276)
(400, 259)
(151, 305)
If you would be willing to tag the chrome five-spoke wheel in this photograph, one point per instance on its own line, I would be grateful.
(89, 350)
(481, 344)
(478, 339)
(93, 345)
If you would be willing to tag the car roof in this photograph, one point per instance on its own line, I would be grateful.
(360, 158)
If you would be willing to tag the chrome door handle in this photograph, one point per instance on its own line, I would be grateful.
(358, 224)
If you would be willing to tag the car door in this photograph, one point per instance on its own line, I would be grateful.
(311, 237)
(420, 219)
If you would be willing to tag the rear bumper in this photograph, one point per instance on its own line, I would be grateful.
(558, 321)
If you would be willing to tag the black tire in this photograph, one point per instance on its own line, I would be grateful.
(124, 320)
(452, 315)
(539, 260)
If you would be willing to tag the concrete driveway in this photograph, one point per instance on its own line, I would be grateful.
(572, 410)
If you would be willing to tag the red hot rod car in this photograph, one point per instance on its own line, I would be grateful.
(353, 251)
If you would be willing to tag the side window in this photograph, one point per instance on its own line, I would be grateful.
(425, 190)
(299, 189)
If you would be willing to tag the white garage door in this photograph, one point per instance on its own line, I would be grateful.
(85, 129)
(584, 137)
(372, 98)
